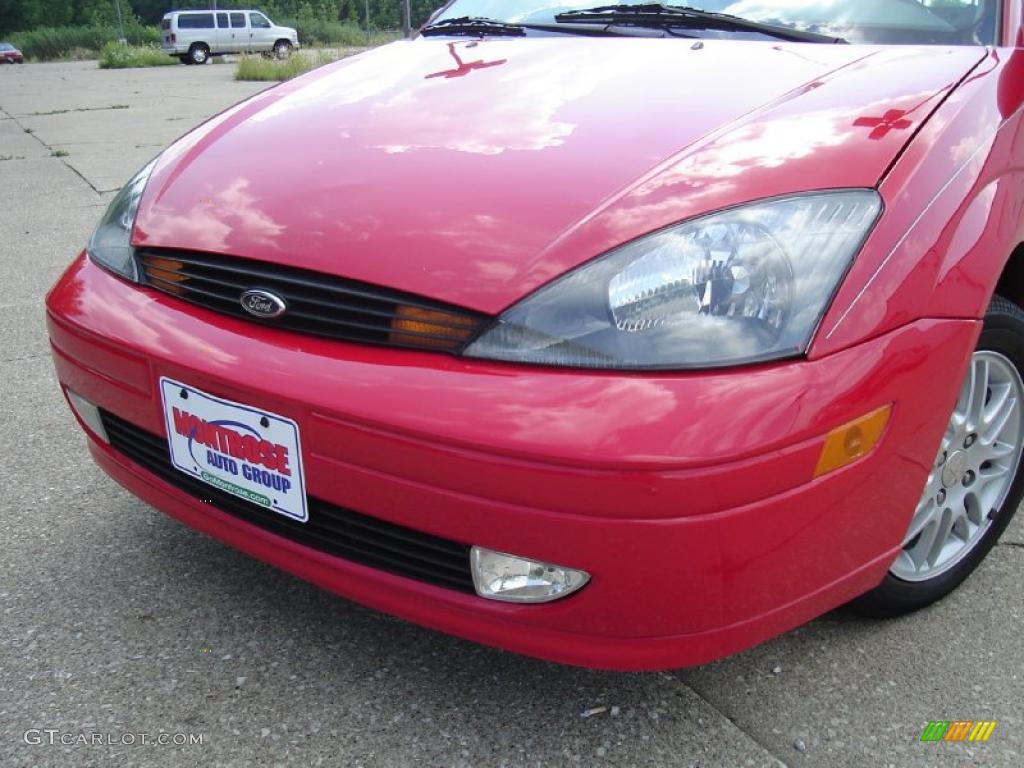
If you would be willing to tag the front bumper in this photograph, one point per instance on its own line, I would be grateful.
(688, 498)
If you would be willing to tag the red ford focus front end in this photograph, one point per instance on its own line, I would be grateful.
(607, 347)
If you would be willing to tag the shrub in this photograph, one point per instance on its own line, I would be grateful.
(313, 31)
(46, 43)
(120, 56)
(260, 68)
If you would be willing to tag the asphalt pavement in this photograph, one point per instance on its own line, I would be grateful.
(118, 625)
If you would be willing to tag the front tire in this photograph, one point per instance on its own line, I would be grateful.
(199, 53)
(282, 49)
(976, 483)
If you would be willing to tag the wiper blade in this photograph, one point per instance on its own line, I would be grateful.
(473, 25)
(666, 16)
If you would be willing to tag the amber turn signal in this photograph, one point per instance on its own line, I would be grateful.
(850, 442)
(414, 326)
(166, 272)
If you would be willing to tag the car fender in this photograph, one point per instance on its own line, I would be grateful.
(954, 215)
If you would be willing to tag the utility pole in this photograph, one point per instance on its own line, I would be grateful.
(367, 22)
(120, 21)
(407, 20)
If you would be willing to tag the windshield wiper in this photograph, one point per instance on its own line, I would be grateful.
(474, 25)
(658, 15)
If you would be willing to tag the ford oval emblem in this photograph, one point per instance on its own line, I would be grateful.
(263, 303)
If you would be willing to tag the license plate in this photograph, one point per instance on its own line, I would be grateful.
(244, 451)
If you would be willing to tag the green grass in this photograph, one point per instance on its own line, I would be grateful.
(48, 43)
(318, 32)
(59, 153)
(260, 68)
(119, 56)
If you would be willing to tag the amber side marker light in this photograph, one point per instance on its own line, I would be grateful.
(850, 442)
(431, 328)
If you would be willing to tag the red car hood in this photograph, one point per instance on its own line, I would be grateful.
(475, 172)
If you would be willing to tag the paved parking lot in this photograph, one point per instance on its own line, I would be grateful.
(115, 619)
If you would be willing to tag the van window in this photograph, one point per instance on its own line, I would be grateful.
(238, 20)
(222, 20)
(259, 21)
(195, 21)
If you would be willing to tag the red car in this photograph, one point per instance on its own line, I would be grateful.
(626, 337)
(10, 55)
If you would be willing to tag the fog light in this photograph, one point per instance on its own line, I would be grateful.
(518, 580)
(89, 414)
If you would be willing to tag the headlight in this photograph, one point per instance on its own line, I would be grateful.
(110, 244)
(743, 285)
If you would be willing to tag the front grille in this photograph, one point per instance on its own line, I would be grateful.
(316, 303)
(331, 529)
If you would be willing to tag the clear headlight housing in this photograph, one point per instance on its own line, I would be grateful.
(110, 244)
(745, 285)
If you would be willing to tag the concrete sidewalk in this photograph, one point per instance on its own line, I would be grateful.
(117, 620)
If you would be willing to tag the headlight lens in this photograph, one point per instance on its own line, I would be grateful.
(110, 244)
(741, 286)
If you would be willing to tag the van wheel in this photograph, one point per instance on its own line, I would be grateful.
(184, 59)
(282, 49)
(199, 53)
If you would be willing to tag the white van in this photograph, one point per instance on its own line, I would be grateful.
(195, 36)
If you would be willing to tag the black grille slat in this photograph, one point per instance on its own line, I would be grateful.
(285, 294)
(340, 532)
(156, 448)
(255, 275)
(318, 304)
(249, 271)
(355, 324)
(235, 288)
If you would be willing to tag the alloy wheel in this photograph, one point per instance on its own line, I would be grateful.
(973, 473)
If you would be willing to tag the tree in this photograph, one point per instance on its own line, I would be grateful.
(17, 15)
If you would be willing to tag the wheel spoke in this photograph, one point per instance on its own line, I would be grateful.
(988, 497)
(941, 537)
(976, 511)
(920, 551)
(999, 420)
(978, 394)
(962, 526)
(991, 472)
(926, 513)
(995, 451)
(1001, 395)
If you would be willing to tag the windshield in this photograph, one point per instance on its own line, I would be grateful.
(883, 22)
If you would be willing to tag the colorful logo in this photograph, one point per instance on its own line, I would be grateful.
(240, 450)
(958, 730)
